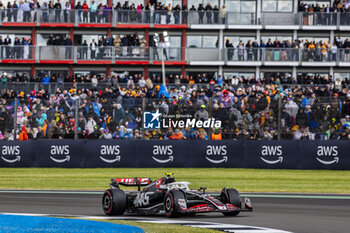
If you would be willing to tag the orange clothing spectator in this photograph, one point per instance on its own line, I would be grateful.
(177, 135)
(23, 136)
(312, 47)
(216, 136)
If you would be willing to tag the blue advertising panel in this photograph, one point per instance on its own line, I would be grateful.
(161, 153)
(325, 155)
(271, 154)
(216, 153)
(172, 153)
(60, 153)
(17, 154)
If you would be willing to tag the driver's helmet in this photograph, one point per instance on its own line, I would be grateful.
(168, 180)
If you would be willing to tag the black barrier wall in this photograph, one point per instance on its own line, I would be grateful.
(333, 155)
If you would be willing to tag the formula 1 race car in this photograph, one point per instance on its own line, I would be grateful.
(165, 196)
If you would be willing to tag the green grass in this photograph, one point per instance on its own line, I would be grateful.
(245, 180)
(163, 228)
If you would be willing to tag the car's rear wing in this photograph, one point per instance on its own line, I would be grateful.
(138, 182)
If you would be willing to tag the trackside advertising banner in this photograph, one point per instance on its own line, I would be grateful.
(271, 154)
(17, 154)
(332, 155)
(216, 154)
(325, 155)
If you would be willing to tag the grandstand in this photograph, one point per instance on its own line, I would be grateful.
(268, 69)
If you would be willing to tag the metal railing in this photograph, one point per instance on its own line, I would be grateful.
(280, 19)
(20, 52)
(204, 54)
(164, 17)
(55, 52)
(129, 53)
(321, 19)
(234, 18)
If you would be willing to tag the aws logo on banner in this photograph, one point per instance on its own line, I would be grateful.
(216, 151)
(271, 154)
(57, 151)
(324, 153)
(110, 150)
(10, 151)
(162, 150)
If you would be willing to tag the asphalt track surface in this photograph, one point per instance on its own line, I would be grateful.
(296, 214)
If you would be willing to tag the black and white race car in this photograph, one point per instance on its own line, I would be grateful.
(165, 196)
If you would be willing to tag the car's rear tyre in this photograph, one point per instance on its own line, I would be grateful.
(114, 202)
(231, 196)
(171, 203)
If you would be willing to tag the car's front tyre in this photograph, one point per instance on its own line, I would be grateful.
(114, 202)
(231, 196)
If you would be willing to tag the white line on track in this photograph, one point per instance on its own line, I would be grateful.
(258, 195)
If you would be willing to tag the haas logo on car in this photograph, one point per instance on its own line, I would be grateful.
(217, 151)
(163, 150)
(7, 151)
(142, 199)
(111, 150)
(59, 150)
(326, 152)
(272, 154)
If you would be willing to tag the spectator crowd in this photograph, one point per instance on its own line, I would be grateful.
(20, 48)
(325, 14)
(285, 50)
(263, 110)
(134, 45)
(157, 13)
(174, 79)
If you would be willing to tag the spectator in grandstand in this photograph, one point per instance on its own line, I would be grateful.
(93, 12)
(184, 13)
(68, 46)
(209, 13)
(217, 135)
(252, 110)
(7, 44)
(93, 49)
(223, 13)
(26, 11)
(23, 136)
(85, 10)
(200, 13)
(202, 114)
(58, 8)
(45, 12)
(90, 125)
(230, 49)
(67, 12)
(178, 135)
(78, 11)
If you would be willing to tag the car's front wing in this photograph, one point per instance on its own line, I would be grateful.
(202, 208)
